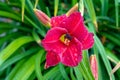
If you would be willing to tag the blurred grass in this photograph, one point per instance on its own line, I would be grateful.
(21, 56)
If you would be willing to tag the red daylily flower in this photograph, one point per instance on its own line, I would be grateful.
(66, 39)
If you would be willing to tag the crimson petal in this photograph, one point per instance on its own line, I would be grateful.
(52, 40)
(73, 54)
(52, 59)
(75, 26)
(88, 42)
(55, 21)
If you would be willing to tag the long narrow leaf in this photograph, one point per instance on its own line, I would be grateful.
(56, 3)
(117, 12)
(78, 73)
(63, 72)
(17, 58)
(103, 55)
(53, 71)
(38, 65)
(84, 68)
(23, 9)
(14, 70)
(72, 74)
(26, 69)
(11, 48)
(104, 7)
(81, 7)
(87, 63)
(10, 15)
(91, 11)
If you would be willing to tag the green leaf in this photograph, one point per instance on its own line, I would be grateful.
(112, 37)
(17, 58)
(37, 25)
(23, 9)
(10, 15)
(56, 3)
(48, 12)
(81, 7)
(9, 37)
(72, 74)
(103, 55)
(111, 56)
(104, 7)
(32, 76)
(36, 3)
(63, 72)
(36, 37)
(98, 62)
(78, 73)
(117, 12)
(86, 62)
(84, 67)
(91, 11)
(54, 71)
(38, 65)
(5, 7)
(13, 46)
(15, 69)
(74, 2)
(114, 59)
(9, 26)
(26, 69)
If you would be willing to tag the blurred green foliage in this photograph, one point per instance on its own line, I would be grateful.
(22, 57)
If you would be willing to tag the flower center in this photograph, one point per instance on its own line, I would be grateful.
(66, 38)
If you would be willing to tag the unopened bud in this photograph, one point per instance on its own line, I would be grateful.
(73, 9)
(44, 19)
(94, 66)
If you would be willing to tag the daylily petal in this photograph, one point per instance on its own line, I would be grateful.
(52, 59)
(57, 47)
(88, 42)
(52, 40)
(73, 54)
(55, 21)
(75, 26)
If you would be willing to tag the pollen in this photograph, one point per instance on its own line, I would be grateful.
(66, 39)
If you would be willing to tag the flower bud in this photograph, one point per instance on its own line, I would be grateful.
(73, 9)
(94, 66)
(44, 19)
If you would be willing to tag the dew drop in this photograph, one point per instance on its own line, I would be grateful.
(75, 54)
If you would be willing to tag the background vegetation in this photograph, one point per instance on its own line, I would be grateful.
(22, 57)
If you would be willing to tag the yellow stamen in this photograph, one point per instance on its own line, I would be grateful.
(66, 41)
